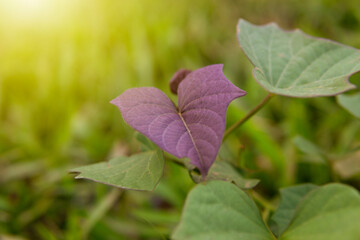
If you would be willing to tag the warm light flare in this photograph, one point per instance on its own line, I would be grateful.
(29, 12)
(25, 8)
(30, 5)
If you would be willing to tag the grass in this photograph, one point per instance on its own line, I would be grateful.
(61, 65)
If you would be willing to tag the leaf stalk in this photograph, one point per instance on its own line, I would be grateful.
(248, 116)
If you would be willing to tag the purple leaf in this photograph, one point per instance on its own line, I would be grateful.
(196, 127)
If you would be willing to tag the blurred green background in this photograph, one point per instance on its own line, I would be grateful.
(62, 61)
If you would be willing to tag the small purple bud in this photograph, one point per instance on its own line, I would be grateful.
(177, 78)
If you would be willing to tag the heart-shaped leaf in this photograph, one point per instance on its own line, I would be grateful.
(220, 210)
(350, 103)
(290, 198)
(196, 127)
(138, 172)
(331, 212)
(294, 64)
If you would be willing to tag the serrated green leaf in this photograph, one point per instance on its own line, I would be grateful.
(351, 103)
(331, 212)
(221, 170)
(220, 210)
(290, 197)
(292, 63)
(138, 172)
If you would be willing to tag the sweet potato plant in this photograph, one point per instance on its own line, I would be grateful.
(223, 204)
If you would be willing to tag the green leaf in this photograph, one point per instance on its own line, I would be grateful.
(145, 143)
(351, 103)
(290, 197)
(220, 210)
(331, 212)
(138, 172)
(221, 170)
(294, 64)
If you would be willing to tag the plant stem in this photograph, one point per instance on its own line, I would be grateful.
(268, 207)
(176, 161)
(262, 201)
(248, 116)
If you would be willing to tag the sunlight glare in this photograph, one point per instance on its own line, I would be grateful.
(27, 10)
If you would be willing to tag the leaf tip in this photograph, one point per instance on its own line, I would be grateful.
(114, 101)
(76, 172)
(240, 21)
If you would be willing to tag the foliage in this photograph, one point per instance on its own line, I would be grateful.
(295, 64)
(195, 129)
(62, 62)
(219, 210)
(138, 172)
